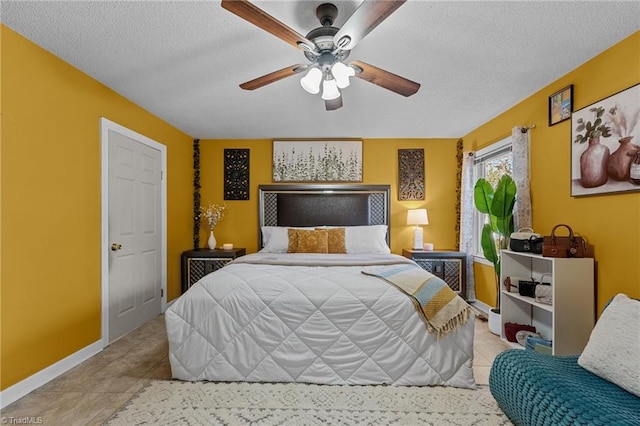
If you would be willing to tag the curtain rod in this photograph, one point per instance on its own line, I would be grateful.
(525, 129)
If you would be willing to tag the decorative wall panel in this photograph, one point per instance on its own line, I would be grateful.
(410, 174)
(236, 174)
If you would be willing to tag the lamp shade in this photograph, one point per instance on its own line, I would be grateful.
(311, 81)
(341, 73)
(417, 217)
(330, 90)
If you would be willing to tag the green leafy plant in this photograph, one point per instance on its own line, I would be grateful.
(498, 204)
(593, 130)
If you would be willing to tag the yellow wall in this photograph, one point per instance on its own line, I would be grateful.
(380, 166)
(50, 176)
(610, 222)
(50, 194)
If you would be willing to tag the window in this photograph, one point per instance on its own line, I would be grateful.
(491, 163)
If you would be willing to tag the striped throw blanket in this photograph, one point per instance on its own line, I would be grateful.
(443, 310)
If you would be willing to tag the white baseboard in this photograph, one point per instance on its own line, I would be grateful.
(31, 383)
(482, 306)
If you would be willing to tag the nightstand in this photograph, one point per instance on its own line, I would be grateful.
(450, 266)
(198, 263)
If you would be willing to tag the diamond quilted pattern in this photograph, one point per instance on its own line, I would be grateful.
(333, 325)
(293, 356)
(318, 333)
(344, 357)
(243, 360)
(268, 330)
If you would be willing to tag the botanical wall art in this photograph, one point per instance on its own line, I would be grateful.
(561, 105)
(317, 161)
(605, 145)
(236, 174)
(410, 174)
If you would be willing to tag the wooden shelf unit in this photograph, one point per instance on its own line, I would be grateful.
(568, 322)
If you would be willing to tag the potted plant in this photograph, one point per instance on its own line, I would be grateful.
(498, 204)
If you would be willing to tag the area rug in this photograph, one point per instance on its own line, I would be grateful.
(169, 402)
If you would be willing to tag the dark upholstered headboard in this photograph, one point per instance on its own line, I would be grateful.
(323, 205)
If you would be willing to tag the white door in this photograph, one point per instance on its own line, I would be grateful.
(134, 234)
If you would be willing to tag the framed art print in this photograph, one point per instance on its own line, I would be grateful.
(317, 161)
(561, 105)
(605, 145)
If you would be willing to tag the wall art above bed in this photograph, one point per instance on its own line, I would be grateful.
(317, 161)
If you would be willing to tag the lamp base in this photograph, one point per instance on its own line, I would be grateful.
(417, 238)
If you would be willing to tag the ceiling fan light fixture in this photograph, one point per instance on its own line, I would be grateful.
(311, 81)
(330, 90)
(341, 73)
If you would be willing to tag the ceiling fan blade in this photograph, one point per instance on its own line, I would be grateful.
(333, 104)
(366, 17)
(262, 19)
(273, 77)
(386, 79)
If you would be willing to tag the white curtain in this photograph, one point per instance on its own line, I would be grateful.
(466, 220)
(520, 152)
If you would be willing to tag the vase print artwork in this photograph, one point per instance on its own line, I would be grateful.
(619, 163)
(593, 164)
(605, 137)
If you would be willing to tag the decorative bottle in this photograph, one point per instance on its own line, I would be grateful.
(634, 170)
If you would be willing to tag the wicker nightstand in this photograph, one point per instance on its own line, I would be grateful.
(198, 263)
(451, 266)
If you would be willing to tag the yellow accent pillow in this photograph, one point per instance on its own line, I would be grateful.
(335, 242)
(293, 240)
(315, 241)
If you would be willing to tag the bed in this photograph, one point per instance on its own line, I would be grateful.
(294, 315)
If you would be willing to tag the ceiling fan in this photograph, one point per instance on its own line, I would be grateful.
(327, 48)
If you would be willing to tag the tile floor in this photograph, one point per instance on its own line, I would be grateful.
(91, 392)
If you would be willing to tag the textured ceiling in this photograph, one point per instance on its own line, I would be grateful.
(183, 61)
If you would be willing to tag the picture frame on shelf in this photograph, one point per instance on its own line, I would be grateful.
(561, 105)
(604, 139)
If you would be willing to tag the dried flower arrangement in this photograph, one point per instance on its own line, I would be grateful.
(623, 120)
(212, 213)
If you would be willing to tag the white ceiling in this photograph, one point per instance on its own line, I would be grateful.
(183, 61)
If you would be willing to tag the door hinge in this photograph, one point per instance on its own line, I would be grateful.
(162, 292)
(161, 175)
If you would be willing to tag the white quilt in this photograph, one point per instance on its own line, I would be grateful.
(266, 318)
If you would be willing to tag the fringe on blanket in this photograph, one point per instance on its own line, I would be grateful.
(441, 308)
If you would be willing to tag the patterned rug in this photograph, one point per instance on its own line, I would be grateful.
(174, 402)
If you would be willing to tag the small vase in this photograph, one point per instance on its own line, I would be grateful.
(593, 164)
(212, 241)
(620, 161)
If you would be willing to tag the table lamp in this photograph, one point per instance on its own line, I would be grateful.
(417, 217)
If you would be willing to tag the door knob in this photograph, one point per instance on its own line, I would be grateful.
(116, 246)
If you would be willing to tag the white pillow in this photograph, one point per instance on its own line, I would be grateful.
(613, 350)
(366, 239)
(275, 239)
